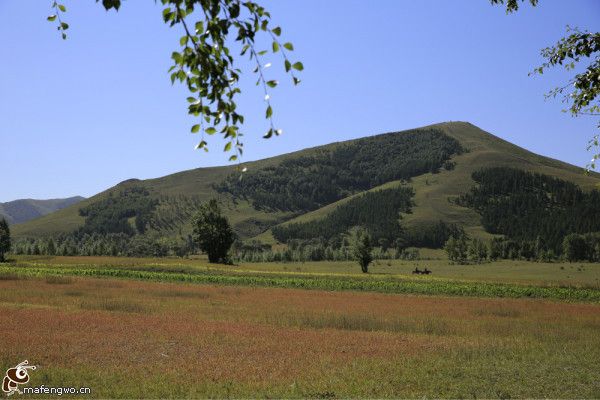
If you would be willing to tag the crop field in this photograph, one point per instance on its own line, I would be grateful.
(177, 328)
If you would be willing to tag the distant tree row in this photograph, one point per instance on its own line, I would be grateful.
(575, 247)
(314, 250)
(311, 181)
(584, 247)
(112, 244)
(523, 206)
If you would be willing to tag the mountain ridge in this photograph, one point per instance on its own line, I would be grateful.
(24, 210)
(433, 191)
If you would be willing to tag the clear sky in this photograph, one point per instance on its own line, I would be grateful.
(81, 115)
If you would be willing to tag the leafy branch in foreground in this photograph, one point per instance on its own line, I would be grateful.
(512, 5)
(61, 26)
(205, 64)
(581, 92)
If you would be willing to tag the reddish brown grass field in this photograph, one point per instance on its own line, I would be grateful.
(141, 339)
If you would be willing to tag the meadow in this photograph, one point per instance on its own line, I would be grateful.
(180, 328)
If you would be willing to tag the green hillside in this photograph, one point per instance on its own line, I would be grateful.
(436, 161)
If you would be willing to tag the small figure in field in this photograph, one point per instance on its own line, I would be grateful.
(423, 272)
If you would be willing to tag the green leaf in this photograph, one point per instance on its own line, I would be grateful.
(196, 128)
(272, 83)
(262, 52)
(233, 158)
(227, 146)
(298, 66)
(183, 41)
(275, 47)
(296, 80)
(276, 30)
(62, 8)
(289, 46)
(176, 57)
(210, 131)
(51, 18)
(64, 26)
(288, 65)
(201, 145)
(269, 112)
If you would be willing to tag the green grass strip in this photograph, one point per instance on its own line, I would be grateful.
(391, 285)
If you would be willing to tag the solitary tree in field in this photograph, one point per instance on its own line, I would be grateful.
(212, 232)
(4, 239)
(360, 242)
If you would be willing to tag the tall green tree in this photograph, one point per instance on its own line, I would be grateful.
(4, 239)
(360, 243)
(212, 232)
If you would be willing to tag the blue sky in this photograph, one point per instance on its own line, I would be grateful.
(81, 115)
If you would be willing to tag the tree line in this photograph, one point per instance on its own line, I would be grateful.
(462, 249)
(315, 250)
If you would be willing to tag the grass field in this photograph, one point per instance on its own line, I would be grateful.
(149, 332)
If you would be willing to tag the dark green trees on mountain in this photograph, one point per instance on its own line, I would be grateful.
(524, 206)
(212, 232)
(377, 211)
(113, 213)
(305, 183)
(4, 239)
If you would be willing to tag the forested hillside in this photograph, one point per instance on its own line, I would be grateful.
(525, 206)
(378, 211)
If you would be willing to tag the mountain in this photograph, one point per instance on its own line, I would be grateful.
(19, 211)
(434, 164)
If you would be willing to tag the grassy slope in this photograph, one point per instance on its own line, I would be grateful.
(432, 191)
